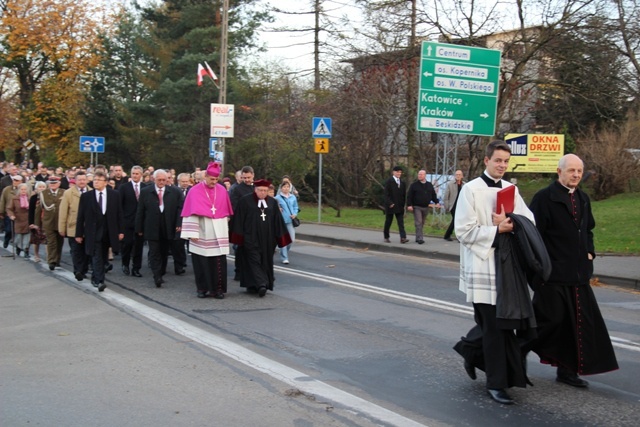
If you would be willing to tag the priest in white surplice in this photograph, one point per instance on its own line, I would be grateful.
(205, 214)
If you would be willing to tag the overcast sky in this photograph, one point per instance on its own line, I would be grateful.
(296, 49)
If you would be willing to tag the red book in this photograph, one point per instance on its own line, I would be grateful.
(506, 198)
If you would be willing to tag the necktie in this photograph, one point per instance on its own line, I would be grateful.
(137, 191)
(160, 198)
(100, 202)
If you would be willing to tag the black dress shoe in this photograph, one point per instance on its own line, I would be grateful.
(404, 240)
(136, 273)
(202, 294)
(420, 242)
(500, 396)
(471, 370)
(108, 267)
(252, 290)
(220, 295)
(180, 272)
(79, 276)
(262, 291)
(102, 287)
(158, 281)
(448, 239)
(52, 266)
(125, 270)
(573, 380)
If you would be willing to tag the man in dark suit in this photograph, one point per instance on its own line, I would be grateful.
(133, 243)
(158, 220)
(100, 226)
(395, 192)
(184, 184)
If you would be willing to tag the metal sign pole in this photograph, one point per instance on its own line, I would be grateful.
(320, 188)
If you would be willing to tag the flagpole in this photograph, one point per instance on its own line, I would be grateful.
(222, 97)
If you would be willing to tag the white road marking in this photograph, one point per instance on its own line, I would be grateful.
(283, 373)
(417, 299)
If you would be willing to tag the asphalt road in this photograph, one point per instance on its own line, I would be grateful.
(369, 333)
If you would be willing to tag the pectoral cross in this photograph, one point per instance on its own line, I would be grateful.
(263, 215)
(213, 209)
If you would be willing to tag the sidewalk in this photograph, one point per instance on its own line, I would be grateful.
(609, 269)
(73, 356)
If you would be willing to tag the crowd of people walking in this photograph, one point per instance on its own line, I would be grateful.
(104, 211)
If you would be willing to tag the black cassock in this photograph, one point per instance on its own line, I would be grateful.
(257, 232)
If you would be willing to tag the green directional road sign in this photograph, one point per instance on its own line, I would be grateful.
(458, 89)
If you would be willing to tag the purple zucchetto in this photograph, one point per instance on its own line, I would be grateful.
(213, 169)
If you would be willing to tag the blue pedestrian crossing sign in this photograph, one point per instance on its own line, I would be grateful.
(92, 144)
(321, 127)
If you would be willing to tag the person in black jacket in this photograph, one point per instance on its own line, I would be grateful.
(100, 226)
(420, 198)
(133, 243)
(158, 220)
(572, 334)
(395, 192)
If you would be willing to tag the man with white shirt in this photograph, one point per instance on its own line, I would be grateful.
(159, 221)
(100, 226)
(133, 243)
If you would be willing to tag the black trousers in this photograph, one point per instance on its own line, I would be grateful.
(389, 220)
(159, 254)
(99, 259)
(7, 229)
(452, 224)
(132, 245)
(79, 257)
(495, 351)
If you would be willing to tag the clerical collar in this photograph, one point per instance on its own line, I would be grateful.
(569, 190)
(262, 203)
(490, 181)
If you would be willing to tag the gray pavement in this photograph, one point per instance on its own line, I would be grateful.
(71, 356)
(608, 269)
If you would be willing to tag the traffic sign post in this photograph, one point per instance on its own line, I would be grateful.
(458, 91)
(321, 131)
(92, 144)
(222, 120)
(215, 151)
(321, 145)
(321, 127)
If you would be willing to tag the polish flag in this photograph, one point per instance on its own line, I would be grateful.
(211, 74)
(201, 73)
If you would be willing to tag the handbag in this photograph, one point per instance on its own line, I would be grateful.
(294, 221)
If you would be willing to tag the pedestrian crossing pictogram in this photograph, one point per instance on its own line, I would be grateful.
(321, 127)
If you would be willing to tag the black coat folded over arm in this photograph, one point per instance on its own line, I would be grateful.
(521, 259)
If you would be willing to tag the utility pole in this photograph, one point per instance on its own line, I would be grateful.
(224, 47)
